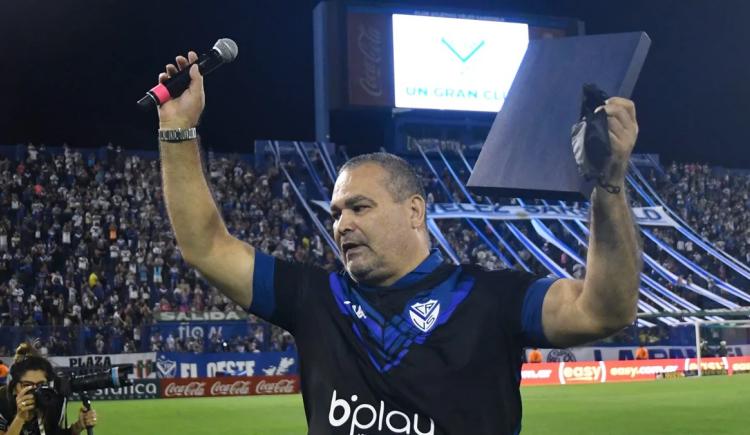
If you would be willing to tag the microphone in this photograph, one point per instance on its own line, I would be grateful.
(224, 51)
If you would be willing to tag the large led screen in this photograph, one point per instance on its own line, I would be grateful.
(454, 63)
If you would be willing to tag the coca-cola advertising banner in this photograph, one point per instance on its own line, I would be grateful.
(591, 372)
(370, 59)
(229, 386)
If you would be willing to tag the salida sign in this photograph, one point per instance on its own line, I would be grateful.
(201, 316)
(229, 386)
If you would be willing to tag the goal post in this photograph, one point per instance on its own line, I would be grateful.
(717, 333)
(725, 332)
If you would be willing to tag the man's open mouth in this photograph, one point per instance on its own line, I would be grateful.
(351, 247)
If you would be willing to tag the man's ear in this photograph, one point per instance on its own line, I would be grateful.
(418, 208)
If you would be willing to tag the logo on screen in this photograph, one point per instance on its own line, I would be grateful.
(463, 59)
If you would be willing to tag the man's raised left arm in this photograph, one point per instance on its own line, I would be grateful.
(579, 311)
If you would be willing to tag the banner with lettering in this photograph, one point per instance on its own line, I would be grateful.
(595, 372)
(143, 363)
(628, 353)
(369, 59)
(648, 216)
(200, 316)
(202, 329)
(229, 386)
(192, 365)
(138, 390)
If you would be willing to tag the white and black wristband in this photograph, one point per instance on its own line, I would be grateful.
(177, 134)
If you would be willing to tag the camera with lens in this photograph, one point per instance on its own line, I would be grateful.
(81, 381)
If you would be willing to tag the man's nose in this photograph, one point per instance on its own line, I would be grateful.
(346, 222)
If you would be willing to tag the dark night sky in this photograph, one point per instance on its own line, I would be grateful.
(72, 69)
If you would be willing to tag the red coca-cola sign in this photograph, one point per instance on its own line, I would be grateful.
(281, 386)
(229, 386)
(224, 388)
(181, 388)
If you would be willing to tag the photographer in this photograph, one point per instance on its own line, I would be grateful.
(20, 414)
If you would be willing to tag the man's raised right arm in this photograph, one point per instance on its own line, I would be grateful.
(204, 242)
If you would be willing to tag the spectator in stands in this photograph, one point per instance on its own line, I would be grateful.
(3, 373)
(535, 356)
(641, 353)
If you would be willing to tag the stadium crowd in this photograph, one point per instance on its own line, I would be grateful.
(87, 254)
(712, 204)
(86, 242)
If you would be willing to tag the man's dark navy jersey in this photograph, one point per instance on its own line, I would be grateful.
(439, 352)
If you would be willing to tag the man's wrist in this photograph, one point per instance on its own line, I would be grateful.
(19, 420)
(615, 173)
(610, 189)
(613, 178)
(173, 124)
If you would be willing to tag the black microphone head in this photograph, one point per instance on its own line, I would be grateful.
(227, 49)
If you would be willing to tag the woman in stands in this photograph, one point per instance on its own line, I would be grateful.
(19, 413)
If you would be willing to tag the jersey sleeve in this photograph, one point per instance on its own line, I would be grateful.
(4, 423)
(524, 295)
(532, 331)
(282, 290)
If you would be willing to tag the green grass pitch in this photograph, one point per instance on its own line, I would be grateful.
(712, 405)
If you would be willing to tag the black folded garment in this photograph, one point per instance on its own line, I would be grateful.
(590, 137)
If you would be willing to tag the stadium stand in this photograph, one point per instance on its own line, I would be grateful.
(88, 260)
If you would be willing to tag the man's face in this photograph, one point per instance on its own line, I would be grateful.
(371, 229)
